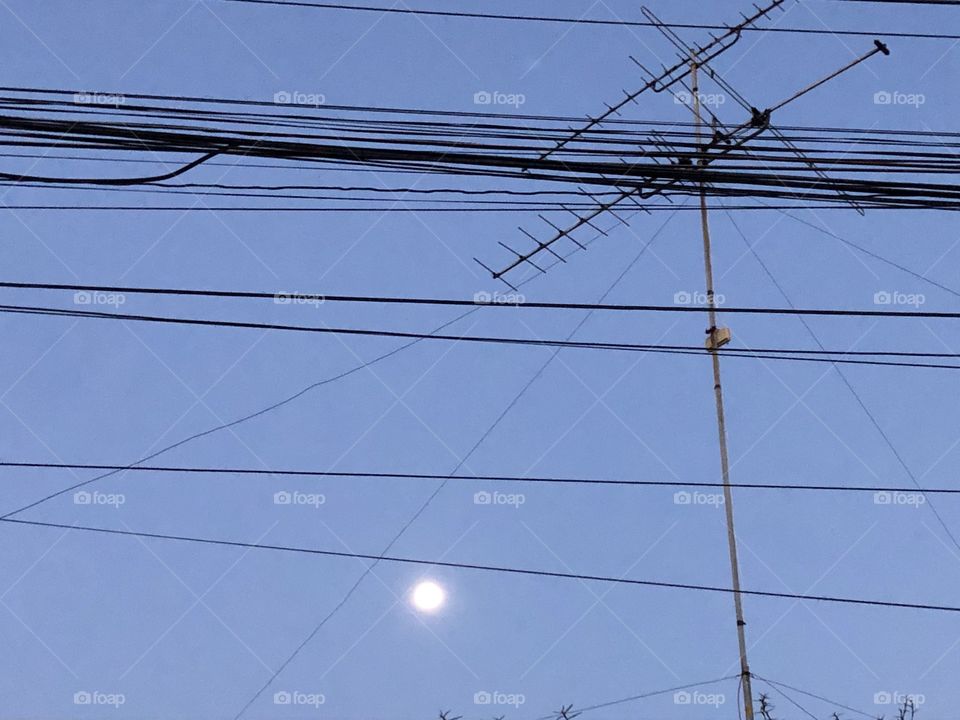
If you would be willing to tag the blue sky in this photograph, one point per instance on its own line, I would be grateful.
(178, 630)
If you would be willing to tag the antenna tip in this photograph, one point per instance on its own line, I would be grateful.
(882, 47)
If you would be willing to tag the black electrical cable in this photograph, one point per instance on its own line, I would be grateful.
(792, 355)
(602, 22)
(184, 138)
(490, 568)
(13, 177)
(480, 125)
(368, 109)
(491, 300)
(777, 354)
(533, 480)
(643, 175)
(837, 205)
(288, 399)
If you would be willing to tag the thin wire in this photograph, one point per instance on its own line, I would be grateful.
(457, 160)
(395, 209)
(596, 21)
(383, 475)
(856, 395)
(816, 697)
(644, 696)
(280, 403)
(861, 602)
(793, 702)
(273, 105)
(243, 419)
(871, 253)
(493, 301)
(791, 354)
(509, 407)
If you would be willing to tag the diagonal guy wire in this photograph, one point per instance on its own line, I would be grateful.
(423, 507)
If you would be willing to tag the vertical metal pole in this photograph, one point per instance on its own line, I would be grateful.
(721, 423)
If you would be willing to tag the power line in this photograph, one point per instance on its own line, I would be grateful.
(593, 21)
(453, 159)
(491, 568)
(483, 300)
(279, 403)
(784, 354)
(416, 209)
(534, 480)
(110, 181)
(480, 121)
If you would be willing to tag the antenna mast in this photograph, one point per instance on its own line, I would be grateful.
(717, 338)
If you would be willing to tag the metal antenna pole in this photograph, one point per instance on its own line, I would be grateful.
(717, 338)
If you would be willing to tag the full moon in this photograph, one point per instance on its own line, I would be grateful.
(428, 596)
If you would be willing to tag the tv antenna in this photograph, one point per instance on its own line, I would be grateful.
(692, 62)
(659, 83)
